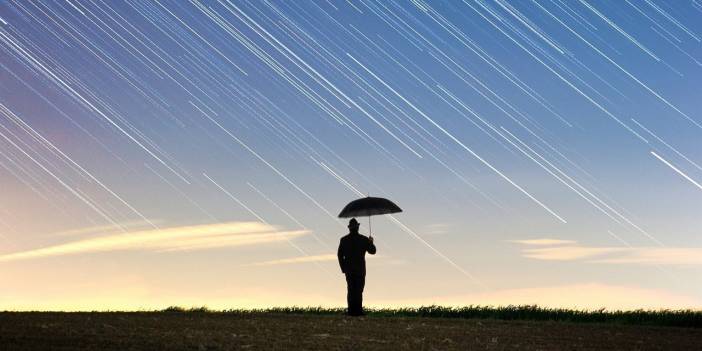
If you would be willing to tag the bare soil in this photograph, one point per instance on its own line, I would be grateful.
(266, 331)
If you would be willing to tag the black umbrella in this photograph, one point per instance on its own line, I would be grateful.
(369, 206)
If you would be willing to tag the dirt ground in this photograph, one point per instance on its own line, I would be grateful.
(217, 331)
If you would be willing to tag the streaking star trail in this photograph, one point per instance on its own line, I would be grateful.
(493, 122)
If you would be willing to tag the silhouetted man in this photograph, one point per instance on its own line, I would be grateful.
(352, 260)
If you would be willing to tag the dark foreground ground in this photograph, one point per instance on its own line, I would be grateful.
(270, 331)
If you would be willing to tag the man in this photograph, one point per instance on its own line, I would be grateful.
(351, 253)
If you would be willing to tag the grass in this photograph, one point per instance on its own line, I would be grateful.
(323, 329)
(316, 328)
(669, 318)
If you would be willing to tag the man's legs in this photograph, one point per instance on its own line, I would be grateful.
(361, 284)
(354, 291)
(349, 293)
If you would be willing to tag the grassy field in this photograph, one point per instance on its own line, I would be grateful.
(671, 318)
(427, 328)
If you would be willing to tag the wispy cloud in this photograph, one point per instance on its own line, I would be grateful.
(542, 242)
(659, 256)
(569, 253)
(437, 228)
(196, 237)
(317, 258)
(609, 254)
(293, 260)
(105, 229)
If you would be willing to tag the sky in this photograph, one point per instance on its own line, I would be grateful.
(197, 153)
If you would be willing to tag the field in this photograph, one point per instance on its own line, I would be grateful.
(432, 328)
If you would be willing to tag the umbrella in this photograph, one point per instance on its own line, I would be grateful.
(369, 206)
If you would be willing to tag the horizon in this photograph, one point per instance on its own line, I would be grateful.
(198, 153)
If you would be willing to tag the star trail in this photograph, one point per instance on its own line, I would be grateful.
(501, 121)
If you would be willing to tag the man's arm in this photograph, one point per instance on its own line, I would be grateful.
(340, 256)
(371, 247)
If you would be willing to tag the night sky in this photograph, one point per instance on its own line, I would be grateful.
(157, 153)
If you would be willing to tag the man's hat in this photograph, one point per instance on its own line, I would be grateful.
(353, 223)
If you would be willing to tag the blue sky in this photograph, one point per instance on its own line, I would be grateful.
(157, 153)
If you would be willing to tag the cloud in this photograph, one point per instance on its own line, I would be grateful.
(610, 254)
(659, 256)
(300, 259)
(314, 258)
(196, 237)
(569, 253)
(437, 228)
(104, 229)
(544, 242)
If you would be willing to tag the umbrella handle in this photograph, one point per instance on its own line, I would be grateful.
(370, 232)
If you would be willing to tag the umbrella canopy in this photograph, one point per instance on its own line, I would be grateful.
(369, 206)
